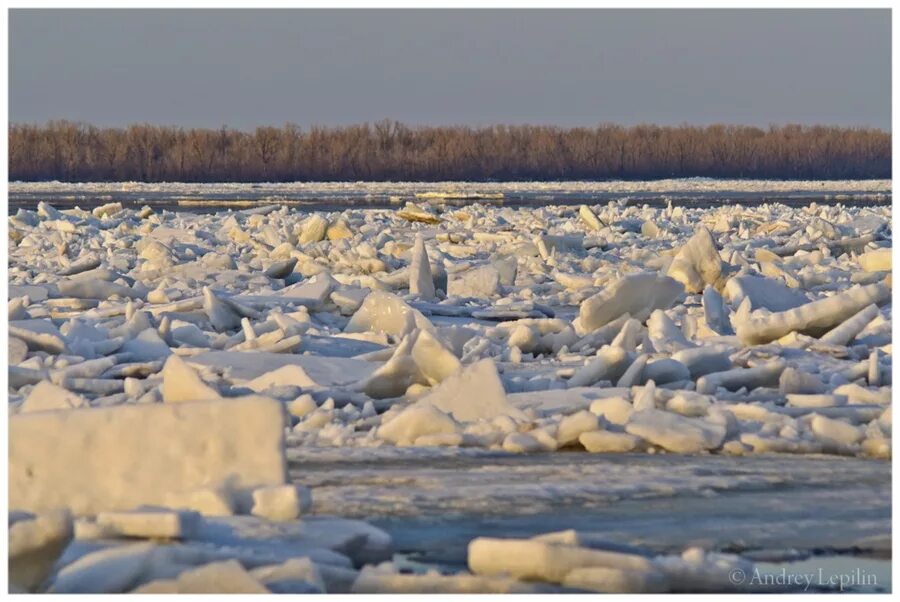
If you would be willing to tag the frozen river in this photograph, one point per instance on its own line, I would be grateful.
(792, 512)
(671, 382)
(334, 196)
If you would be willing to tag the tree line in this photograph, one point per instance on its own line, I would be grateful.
(388, 150)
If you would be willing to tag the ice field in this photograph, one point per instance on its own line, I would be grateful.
(642, 387)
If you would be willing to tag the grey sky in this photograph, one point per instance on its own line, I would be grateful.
(245, 68)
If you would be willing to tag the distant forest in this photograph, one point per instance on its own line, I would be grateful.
(388, 150)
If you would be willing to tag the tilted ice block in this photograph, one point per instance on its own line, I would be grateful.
(813, 318)
(766, 375)
(435, 361)
(697, 263)
(99, 459)
(846, 331)
(182, 383)
(313, 229)
(715, 313)
(629, 336)
(221, 315)
(636, 294)
(633, 375)
(421, 282)
(37, 338)
(610, 364)
(704, 360)
(571, 427)
(666, 370)
(395, 376)
(665, 336)
(474, 392)
(589, 218)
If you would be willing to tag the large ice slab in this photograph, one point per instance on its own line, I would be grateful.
(121, 457)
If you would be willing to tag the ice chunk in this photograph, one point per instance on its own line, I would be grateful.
(421, 282)
(435, 361)
(763, 293)
(664, 335)
(675, 433)
(636, 294)
(111, 458)
(614, 409)
(311, 293)
(571, 427)
(836, 433)
(337, 230)
(481, 282)
(878, 260)
(395, 376)
(766, 375)
(387, 313)
(182, 383)
(589, 218)
(843, 333)
(147, 346)
(473, 393)
(149, 524)
(703, 360)
(281, 502)
(529, 559)
(416, 421)
(47, 396)
(666, 370)
(221, 315)
(35, 544)
(281, 269)
(714, 312)
(18, 350)
(697, 263)
(793, 380)
(313, 229)
(522, 443)
(610, 364)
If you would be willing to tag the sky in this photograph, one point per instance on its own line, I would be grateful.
(246, 68)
